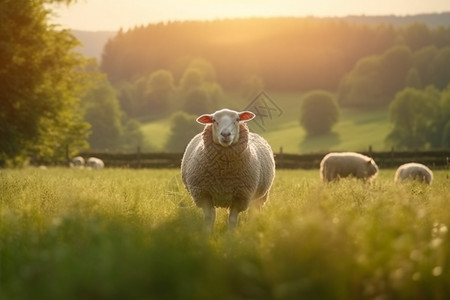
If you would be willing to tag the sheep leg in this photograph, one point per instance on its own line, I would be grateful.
(233, 217)
(210, 216)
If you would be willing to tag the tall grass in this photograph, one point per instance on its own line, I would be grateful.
(131, 234)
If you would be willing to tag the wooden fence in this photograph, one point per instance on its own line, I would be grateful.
(436, 159)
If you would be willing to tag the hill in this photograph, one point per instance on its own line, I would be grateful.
(351, 133)
(94, 41)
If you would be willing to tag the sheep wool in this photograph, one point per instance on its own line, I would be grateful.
(95, 163)
(338, 165)
(230, 177)
(414, 171)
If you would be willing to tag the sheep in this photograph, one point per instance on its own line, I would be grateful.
(338, 165)
(77, 162)
(95, 163)
(227, 166)
(414, 171)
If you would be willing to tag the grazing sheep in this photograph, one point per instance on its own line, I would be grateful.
(227, 166)
(77, 162)
(414, 171)
(95, 163)
(338, 165)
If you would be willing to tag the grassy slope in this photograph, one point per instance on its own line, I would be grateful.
(117, 234)
(356, 130)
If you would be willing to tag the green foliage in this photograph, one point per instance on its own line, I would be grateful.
(120, 234)
(198, 90)
(40, 77)
(320, 51)
(413, 79)
(102, 111)
(319, 112)
(413, 112)
(132, 136)
(375, 79)
(183, 128)
(147, 95)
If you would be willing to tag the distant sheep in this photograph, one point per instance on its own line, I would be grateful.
(227, 166)
(338, 165)
(77, 162)
(414, 171)
(95, 163)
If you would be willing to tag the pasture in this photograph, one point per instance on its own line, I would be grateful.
(351, 131)
(134, 234)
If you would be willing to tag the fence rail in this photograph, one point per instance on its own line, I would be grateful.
(436, 159)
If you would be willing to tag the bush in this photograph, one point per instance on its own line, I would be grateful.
(319, 112)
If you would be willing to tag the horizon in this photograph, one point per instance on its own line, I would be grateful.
(104, 15)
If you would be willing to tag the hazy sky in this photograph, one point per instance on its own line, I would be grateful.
(115, 14)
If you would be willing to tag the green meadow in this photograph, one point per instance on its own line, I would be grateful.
(135, 234)
(356, 130)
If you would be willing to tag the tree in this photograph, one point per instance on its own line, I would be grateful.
(412, 113)
(183, 128)
(319, 112)
(102, 111)
(160, 87)
(41, 77)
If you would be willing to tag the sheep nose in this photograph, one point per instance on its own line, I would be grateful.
(225, 134)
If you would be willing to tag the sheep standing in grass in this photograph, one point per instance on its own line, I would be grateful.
(77, 162)
(338, 165)
(95, 163)
(227, 166)
(414, 171)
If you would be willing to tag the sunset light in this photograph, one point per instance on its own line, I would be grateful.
(115, 14)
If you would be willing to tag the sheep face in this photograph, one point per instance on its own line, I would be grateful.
(225, 125)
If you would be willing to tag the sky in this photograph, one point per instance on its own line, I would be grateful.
(111, 15)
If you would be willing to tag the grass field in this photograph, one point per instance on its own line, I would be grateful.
(355, 131)
(134, 234)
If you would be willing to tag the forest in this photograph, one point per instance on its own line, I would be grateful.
(289, 54)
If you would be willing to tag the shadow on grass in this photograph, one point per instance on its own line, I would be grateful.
(321, 142)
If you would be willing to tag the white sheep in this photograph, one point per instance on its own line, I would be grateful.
(414, 171)
(77, 162)
(95, 163)
(338, 165)
(227, 166)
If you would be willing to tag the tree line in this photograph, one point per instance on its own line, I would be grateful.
(288, 53)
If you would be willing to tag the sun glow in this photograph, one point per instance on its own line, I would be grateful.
(115, 14)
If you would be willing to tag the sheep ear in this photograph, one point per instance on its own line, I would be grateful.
(369, 161)
(246, 116)
(205, 119)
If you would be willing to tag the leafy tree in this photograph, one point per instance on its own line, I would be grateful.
(319, 112)
(417, 35)
(197, 102)
(412, 113)
(102, 111)
(442, 121)
(183, 128)
(198, 89)
(40, 79)
(132, 136)
(440, 68)
(159, 89)
(375, 79)
(413, 79)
